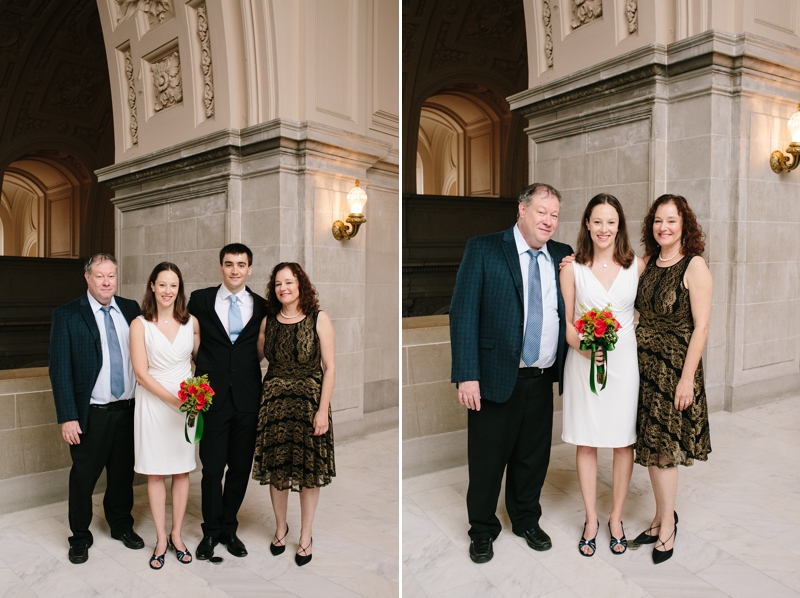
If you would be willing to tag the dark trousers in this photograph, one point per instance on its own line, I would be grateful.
(229, 438)
(106, 442)
(514, 437)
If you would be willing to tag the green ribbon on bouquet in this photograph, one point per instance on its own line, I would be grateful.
(195, 422)
(602, 378)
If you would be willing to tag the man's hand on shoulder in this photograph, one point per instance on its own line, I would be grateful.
(469, 394)
(71, 431)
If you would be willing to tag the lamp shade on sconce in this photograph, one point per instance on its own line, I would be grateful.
(794, 126)
(357, 198)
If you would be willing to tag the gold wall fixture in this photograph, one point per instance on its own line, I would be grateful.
(780, 162)
(356, 198)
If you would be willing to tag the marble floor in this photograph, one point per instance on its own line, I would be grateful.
(356, 543)
(739, 531)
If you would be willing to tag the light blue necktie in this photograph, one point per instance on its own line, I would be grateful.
(114, 355)
(533, 323)
(234, 319)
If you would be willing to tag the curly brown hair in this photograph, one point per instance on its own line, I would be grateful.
(692, 236)
(149, 305)
(623, 254)
(309, 301)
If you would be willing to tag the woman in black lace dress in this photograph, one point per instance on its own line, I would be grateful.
(674, 304)
(294, 446)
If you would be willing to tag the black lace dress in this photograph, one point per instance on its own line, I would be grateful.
(666, 437)
(288, 455)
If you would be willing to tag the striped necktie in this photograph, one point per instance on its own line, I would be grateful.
(533, 323)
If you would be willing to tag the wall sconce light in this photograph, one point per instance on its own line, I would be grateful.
(778, 161)
(356, 198)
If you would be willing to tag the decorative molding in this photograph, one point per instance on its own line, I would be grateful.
(442, 55)
(409, 39)
(632, 15)
(157, 11)
(585, 11)
(493, 22)
(134, 123)
(205, 60)
(167, 84)
(548, 33)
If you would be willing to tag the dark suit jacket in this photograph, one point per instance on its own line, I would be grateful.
(487, 314)
(232, 368)
(76, 356)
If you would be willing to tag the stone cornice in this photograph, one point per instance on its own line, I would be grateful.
(709, 49)
(302, 137)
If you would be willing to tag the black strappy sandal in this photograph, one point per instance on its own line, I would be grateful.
(306, 558)
(277, 549)
(158, 559)
(592, 544)
(615, 542)
(180, 554)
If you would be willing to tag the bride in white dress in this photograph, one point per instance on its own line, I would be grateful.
(163, 341)
(605, 272)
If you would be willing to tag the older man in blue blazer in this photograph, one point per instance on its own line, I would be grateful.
(507, 336)
(93, 387)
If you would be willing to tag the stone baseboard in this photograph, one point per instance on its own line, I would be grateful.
(376, 421)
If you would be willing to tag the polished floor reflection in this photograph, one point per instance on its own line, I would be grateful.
(356, 543)
(738, 536)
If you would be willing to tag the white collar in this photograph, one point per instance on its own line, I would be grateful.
(522, 244)
(96, 305)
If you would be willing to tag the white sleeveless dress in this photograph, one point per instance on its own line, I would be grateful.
(159, 443)
(606, 419)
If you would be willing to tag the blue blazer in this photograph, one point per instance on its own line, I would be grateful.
(76, 356)
(487, 315)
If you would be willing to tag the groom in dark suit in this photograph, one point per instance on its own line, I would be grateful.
(93, 386)
(229, 316)
(507, 338)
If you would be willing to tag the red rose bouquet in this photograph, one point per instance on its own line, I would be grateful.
(597, 329)
(195, 396)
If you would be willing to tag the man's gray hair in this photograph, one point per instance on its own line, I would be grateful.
(96, 259)
(537, 189)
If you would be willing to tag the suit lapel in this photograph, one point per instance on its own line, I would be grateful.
(512, 257)
(211, 300)
(91, 323)
(557, 257)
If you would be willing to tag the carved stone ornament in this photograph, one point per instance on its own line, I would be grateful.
(167, 83)
(548, 33)
(156, 10)
(131, 98)
(585, 11)
(205, 60)
(632, 15)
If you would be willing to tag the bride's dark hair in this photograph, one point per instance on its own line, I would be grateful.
(623, 254)
(149, 305)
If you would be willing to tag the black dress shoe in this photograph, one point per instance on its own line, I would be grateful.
(536, 538)
(79, 553)
(277, 549)
(480, 550)
(645, 538)
(205, 550)
(130, 539)
(305, 558)
(234, 544)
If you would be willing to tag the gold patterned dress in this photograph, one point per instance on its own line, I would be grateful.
(666, 437)
(288, 455)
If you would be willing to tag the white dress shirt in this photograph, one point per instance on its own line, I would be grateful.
(101, 393)
(222, 306)
(548, 346)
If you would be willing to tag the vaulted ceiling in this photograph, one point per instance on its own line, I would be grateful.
(54, 84)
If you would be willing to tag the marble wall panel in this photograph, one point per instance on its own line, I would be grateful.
(438, 408)
(409, 413)
(36, 409)
(770, 352)
(616, 136)
(8, 412)
(13, 463)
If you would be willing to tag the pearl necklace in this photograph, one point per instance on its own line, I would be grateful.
(297, 315)
(667, 259)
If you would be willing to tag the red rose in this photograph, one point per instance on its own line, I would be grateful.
(600, 328)
(201, 403)
(617, 325)
(182, 395)
(193, 390)
(580, 325)
(607, 314)
(183, 385)
(206, 389)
